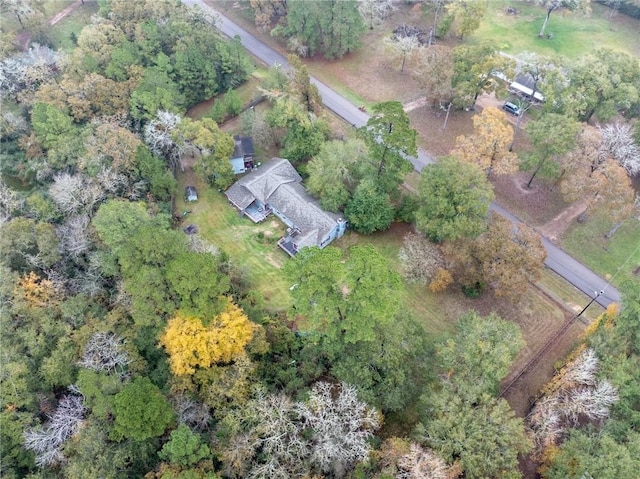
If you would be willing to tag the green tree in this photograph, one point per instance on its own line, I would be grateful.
(92, 454)
(15, 459)
(141, 411)
(595, 454)
(305, 133)
(184, 448)
(390, 138)
(232, 103)
(215, 147)
(333, 27)
(26, 244)
(152, 169)
(370, 209)
(462, 412)
(156, 91)
(197, 280)
(552, 5)
(122, 57)
(604, 84)
(454, 199)
(115, 222)
(50, 123)
(474, 72)
(194, 72)
(300, 86)
(332, 172)
(99, 389)
(342, 303)
(480, 354)
(552, 135)
(140, 246)
(389, 370)
(459, 431)
(467, 15)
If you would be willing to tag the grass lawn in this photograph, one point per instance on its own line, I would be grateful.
(60, 33)
(574, 299)
(616, 259)
(574, 34)
(49, 8)
(251, 247)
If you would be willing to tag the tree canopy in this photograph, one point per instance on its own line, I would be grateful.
(454, 200)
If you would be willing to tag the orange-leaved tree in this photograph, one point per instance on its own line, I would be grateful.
(192, 343)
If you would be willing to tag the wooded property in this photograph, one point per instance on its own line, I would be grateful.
(215, 266)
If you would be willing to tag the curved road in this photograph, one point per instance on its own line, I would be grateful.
(557, 260)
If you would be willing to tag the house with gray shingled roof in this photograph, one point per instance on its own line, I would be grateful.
(276, 188)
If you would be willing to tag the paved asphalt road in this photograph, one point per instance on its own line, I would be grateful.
(557, 260)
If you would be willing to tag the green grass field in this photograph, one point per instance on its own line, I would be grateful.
(567, 294)
(574, 34)
(49, 8)
(60, 33)
(616, 258)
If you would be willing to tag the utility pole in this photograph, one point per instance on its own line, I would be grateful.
(597, 294)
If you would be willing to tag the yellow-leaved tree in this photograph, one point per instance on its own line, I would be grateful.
(488, 146)
(192, 344)
(35, 291)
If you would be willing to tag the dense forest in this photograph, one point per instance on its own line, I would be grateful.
(129, 349)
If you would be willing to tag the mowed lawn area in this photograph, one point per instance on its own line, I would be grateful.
(574, 34)
(251, 247)
(61, 32)
(616, 259)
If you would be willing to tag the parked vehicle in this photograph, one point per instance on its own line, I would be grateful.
(511, 108)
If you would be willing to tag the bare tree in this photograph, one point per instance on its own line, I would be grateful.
(268, 433)
(200, 245)
(265, 134)
(420, 258)
(22, 9)
(75, 193)
(402, 48)
(74, 236)
(12, 125)
(194, 414)
(28, 70)
(10, 203)
(617, 141)
(422, 463)
(105, 352)
(582, 370)
(375, 11)
(590, 402)
(281, 438)
(46, 441)
(574, 395)
(340, 427)
(114, 183)
(159, 135)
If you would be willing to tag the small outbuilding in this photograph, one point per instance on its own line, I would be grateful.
(242, 158)
(190, 193)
